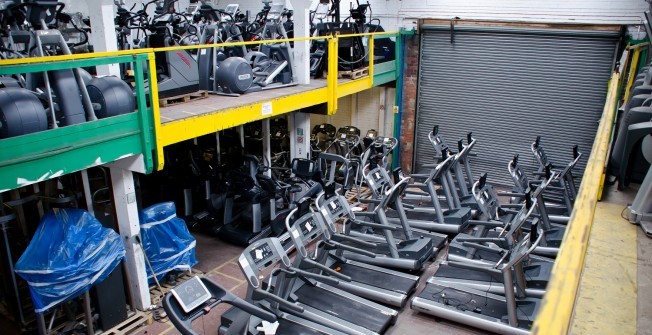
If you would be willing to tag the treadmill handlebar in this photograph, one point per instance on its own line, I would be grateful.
(326, 269)
(476, 267)
(324, 279)
(352, 239)
(260, 294)
(376, 225)
(355, 250)
(182, 321)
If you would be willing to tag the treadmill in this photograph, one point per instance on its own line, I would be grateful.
(367, 281)
(434, 219)
(513, 313)
(409, 254)
(183, 308)
(315, 302)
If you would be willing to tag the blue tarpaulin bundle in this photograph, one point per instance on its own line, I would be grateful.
(70, 252)
(166, 240)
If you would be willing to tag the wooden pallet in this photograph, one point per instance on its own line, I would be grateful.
(179, 99)
(353, 196)
(156, 294)
(355, 74)
(131, 325)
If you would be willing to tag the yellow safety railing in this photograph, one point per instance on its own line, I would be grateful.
(332, 92)
(558, 303)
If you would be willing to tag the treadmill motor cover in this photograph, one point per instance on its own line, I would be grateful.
(166, 240)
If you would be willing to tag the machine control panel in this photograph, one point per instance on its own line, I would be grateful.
(260, 256)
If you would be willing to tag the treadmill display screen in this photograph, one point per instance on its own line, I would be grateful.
(334, 207)
(308, 227)
(261, 254)
(191, 294)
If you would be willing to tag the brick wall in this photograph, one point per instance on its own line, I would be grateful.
(409, 103)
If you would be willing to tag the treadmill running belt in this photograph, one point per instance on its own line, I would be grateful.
(343, 308)
(287, 327)
(375, 278)
(447, 271)
(464, 301)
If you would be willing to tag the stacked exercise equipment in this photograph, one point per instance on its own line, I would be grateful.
(38, 101)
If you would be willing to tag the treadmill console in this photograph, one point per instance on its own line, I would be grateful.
(376, 179)
(306, 229)
(333, 208)
(275, 12)
(191, 294)
(260, 256)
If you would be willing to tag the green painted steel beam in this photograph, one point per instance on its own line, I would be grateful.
(384, 73)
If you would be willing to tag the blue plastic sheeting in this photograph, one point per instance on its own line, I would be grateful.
(70, 252)
(166, 240)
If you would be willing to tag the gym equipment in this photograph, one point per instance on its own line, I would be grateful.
(368, 281)
(220, 28)
(566, 181)
(271, 67)
(258, 190)
(557, 212)
(640, 212)
(512, 314)
(198, 296)
(305, 225)
(268, 255)
(177, 72)
(323, 135)
(451, 221)
(463, 176)
(409, 254)
(69, 97)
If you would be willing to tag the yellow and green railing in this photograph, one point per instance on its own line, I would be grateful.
(48, 154)
(40, 156)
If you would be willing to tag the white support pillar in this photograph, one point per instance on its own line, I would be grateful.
(299, 135)
(301, 9)
(124, 198)
(267, 146)
(103, 37)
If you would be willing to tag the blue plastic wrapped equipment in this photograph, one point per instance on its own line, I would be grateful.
(166, 240)
(70, 252)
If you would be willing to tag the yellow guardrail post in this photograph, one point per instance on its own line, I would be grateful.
(332, 74)
(371, 60)
(156, 111)
(632, 73)
(558, 303)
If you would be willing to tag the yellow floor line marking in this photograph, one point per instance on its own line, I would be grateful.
(606, 301)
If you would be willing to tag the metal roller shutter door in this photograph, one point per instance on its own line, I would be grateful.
(508, 86)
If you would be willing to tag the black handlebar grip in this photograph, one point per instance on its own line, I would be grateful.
(460, 145)
(435, 130)
(576, 151)
(483, 180)
(548, 170)
(444, 153)
(514, 161)
(528, 199)
(469, 137)
(537, 141)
